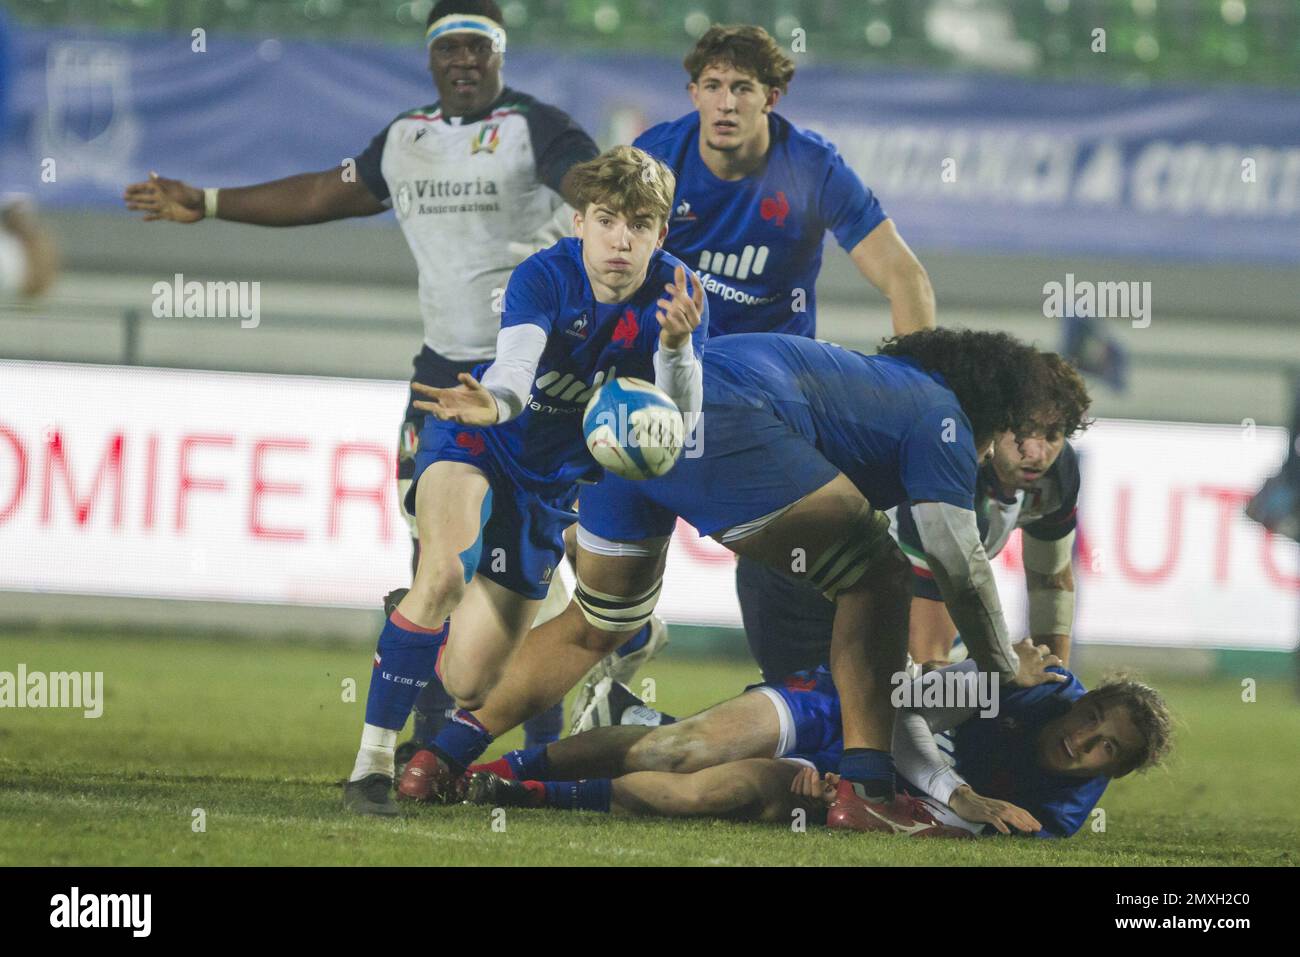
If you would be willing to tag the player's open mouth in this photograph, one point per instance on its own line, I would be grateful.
(724, 126)
(464, 86)
(1029, 474)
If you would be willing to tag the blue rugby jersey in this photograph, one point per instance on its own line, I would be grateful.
(756, 240)
(588, 343)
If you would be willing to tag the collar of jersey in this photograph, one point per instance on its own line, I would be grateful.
(482, 114)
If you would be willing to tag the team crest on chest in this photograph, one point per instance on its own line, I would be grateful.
(488, 139)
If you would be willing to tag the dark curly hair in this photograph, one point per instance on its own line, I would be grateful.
(1003, 384)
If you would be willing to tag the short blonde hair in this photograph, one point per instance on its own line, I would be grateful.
(628, 181)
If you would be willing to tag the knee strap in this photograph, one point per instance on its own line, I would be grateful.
(865, 541)
(616, 613)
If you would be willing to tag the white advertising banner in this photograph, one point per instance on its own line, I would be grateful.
(258, 488)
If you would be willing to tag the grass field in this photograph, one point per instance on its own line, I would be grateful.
(256, 733)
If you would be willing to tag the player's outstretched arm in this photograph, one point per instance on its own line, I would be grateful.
(890, 265)
(294, 201)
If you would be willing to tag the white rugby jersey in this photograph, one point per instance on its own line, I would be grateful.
(465, 189)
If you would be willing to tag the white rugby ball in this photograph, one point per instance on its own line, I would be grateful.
(633, 429)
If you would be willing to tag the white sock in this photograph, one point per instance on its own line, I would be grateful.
(375, 756)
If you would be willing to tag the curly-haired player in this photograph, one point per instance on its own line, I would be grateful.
(803, 445)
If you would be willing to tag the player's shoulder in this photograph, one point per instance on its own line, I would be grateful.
(1058, 693)
(666, 140)
(803, 144)
(533, 109)
(558, 265)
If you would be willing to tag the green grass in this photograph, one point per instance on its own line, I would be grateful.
(256, 733)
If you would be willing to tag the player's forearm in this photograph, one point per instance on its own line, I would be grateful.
(510, 377)
(919, 760)
(299, 200)
(679, 373)
(1049, 581)
(911, 299)
(951, 540)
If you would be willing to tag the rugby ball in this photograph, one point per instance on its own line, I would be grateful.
(633, 429)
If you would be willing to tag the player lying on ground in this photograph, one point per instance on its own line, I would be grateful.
(524, 149)
(501, 455)
(802, 444)
(1039, 766)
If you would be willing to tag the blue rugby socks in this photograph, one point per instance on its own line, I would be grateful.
(872, 769)
(404, 662)
(592, 794)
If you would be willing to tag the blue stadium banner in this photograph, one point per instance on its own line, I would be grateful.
(973, 162)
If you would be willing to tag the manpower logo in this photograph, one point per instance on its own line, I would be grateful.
(750, 261)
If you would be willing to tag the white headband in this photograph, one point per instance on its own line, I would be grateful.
(467, 23)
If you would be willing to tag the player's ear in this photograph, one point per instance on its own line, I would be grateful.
(773, 96)
(663, 234)
(577, 224)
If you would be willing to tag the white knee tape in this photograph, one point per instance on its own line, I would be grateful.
(616, 613)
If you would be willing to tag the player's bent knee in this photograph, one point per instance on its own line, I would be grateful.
(620, 615)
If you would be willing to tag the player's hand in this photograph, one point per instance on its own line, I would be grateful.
(160, 198)
(1034, 659)
(815, 787)
(467, 404)
(1001, 814)
(679, 314)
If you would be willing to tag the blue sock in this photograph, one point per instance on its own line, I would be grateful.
(404, 662)
(544, 728)
(433, 709)
(529, 764)
(635, 643)
(592, 794)
(462, 740)
(873, 769)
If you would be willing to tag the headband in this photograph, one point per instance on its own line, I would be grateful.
(467, 23)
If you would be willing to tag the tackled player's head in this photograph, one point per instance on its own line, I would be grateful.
(466, 47)
(1020, 458)
(1003, 384)
(737, 75)
(1119, 727)
(624, 198)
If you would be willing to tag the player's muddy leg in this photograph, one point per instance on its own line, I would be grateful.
(835, 540)
(740, 790)
(551, 659)
(598, 753)
(747, 726)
